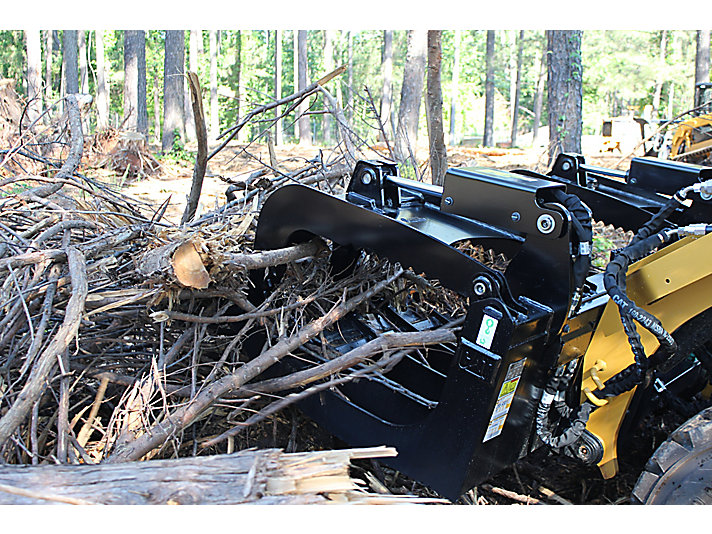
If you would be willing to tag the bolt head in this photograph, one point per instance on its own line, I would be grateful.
(479, 289)
(448, 201)
(516, 216)
(545, 223)
(566, 165)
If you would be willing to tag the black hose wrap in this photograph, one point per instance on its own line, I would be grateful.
(614, 280)
(583, 230)
(574, 430)
(657, 222)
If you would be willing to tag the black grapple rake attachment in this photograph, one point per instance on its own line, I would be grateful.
(467, 411)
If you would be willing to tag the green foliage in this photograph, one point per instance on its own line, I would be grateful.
(178, 153)
(602, 246)
(619, 71)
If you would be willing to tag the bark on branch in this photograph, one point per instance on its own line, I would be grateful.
(266, 476)
(42, 370)
(201, 158)
(129, 447)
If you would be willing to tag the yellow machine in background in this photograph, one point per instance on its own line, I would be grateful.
(692, 139)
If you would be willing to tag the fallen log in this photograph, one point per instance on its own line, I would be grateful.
(266, 476)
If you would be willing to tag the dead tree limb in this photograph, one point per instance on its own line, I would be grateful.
(74, 118)
(267, 476)
(48, 359)
(129, 447)
(201, 158)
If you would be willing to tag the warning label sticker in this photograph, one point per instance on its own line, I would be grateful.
(504, 400)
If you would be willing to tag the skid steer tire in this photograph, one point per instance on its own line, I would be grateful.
(680, 471)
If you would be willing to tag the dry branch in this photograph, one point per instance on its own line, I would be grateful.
(47, 361)
(248, 477)
(201, 158)
(129, 447)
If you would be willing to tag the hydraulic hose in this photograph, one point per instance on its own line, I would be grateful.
(583, 230)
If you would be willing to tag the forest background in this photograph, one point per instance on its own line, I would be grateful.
(623, 71)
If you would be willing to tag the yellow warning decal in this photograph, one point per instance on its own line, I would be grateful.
(504, 400)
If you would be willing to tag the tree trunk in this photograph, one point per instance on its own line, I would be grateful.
(434, 103)
(565, 91)
(488, 139)
(350, 77)
(157, 108)
(69, 62)
(539, 97)
(142, 89)
(387, 91)
(512, 68)
(702, 57)
(34, 78)
(278, 137)
(303, 121)
(411, 93)
(193, 36)
(214, 113)
(135, 81)
(48, 67)
(238, 70)
(659, 77)
(262, 476)
(455, 89)
(328, 67)
(295, 76)
(517, 88)
(174, 60)
(102, 88)
(83, 70)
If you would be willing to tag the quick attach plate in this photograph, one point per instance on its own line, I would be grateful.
(503, 199)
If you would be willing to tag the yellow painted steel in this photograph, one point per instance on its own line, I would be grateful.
(675, 285)
(684, 135)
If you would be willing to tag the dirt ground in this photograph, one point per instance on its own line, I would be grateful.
(236, 162)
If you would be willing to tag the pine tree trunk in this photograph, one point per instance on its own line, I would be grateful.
(295, 76)
(278, 137)
(455, 90)
(304, 127)
(387, 91)
(488, 139)
(565, 91)
(157, 108)
(238, 71)
(142, 93)
(328, 67)
(193, 36)
(48, 67)
(434, 103)
(102, 88)
(174, 60)
(69, 62)
(83, 70)
(517, 89)
(34, 79)
(702, 57)
(135, 81)
(411, 94)
(657, 93)
(350, 78)
(539, 97)
(214, 113)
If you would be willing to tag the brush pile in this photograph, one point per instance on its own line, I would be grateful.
(124, 337)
